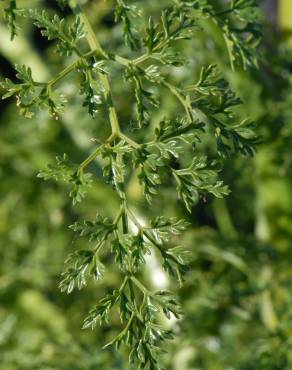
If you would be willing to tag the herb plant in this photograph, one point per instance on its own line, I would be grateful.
(168, 154)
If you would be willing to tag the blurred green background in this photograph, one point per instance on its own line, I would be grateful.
(238, 294)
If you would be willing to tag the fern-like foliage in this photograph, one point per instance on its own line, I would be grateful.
(206, 110)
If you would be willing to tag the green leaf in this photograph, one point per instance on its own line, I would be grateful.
(90, 87)
(153, 36)
(101, 311)
(167, 302)
(63, 170)
(149, 176)
(121, 246)
(124, 13)
(115, 169)
(197, 177)
(54, 28)
(143, 97)
(176, 262)
(96, 230)
(81, 264)
(163, 228)
(180, 130)
(24, 73)
(139, 249)
(10, 13)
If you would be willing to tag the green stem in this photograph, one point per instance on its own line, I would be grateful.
(184, 101)
(122, 287)
(149, 237)
(129, 323)
(122, 60)
(140, 286)
(117, 219)
(65, 71)
(125, 222)
(95, 46)
(141, 59)
(130, 141)
(89, 159)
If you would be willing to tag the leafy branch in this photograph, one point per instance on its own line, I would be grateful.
(205, 112)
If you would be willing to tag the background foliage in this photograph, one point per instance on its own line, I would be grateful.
(237, 295)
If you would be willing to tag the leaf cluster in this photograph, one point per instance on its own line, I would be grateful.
(63, 170)
(205, 112)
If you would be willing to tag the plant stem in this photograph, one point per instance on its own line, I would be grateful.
(181, 98)
(126, 278)
(65, 71)
(95, 46)
(125, 218)
(59, 76)
(162, 251)
(186, 103)
(130, 141)
(140, 286)
(117, 219)
(89, 159)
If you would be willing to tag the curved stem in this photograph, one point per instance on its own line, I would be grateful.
(184, 100)
(162, 251)
(140, 286)
(95, 46)
(65, 71)
(130, 141)
(117, 219)
(89, 159)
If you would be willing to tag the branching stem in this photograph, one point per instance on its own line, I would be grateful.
(95, 46)
(140, 286)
